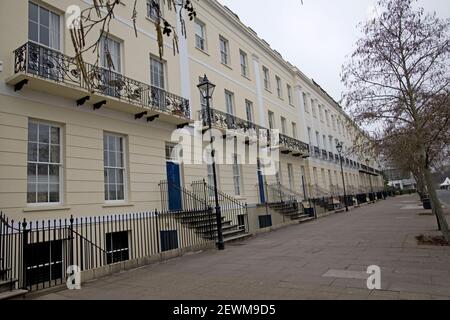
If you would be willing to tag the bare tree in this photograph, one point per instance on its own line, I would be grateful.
(398, 85)
(97, 17)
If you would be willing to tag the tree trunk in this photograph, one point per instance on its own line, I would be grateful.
(436, 204)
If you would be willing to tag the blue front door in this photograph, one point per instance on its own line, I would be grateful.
(262, 195)
(174, 186)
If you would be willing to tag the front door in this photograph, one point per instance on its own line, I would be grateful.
(174, 186)
(262, 194)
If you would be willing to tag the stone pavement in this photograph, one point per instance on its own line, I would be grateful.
(323, 259)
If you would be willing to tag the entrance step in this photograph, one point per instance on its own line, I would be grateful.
(237, 238)
(12, 294)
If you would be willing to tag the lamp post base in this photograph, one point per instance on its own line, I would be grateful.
(220, 245)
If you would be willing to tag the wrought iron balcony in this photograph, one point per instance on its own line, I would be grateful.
(330, 156)
(54, 67)
(227, 121)
(336, 157)
(324, 154)
(296, 146)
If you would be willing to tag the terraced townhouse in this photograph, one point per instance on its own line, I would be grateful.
(66, 151)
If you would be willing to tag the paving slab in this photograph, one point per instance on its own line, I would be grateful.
(324, 259)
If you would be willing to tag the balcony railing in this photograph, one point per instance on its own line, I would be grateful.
(227, 121)
(49, 64)
(324, 154)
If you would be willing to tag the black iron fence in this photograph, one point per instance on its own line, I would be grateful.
(36, 255)
(32, 58)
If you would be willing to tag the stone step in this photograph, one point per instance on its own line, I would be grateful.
(224, 228)
(12, 294)
(237, 238)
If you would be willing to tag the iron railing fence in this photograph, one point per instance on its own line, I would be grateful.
(37, 254)
(46, 63)
(233, 210)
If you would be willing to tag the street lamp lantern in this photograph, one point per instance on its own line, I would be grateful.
(339, 147)
(206, 90)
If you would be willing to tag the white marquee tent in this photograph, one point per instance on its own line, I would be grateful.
(446, 184)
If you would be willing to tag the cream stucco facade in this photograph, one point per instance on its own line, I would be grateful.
(298, 107)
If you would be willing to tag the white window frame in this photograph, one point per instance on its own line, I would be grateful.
(283, 126)
(305, 102)
(237, 176)
(249, 110)
(124, 168)
(200, 39)
(279, 87)
(294, 130)
(244, 63)
(266, 74)
(60, 28)
(271, 118)
(229, 102)
(148, 13)
(224, 46)
(289, 92)
(103, 64)
(154, 59)
(60, 165)
(313, 108)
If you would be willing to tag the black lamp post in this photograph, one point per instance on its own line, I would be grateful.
(339, 147)
(206, 90)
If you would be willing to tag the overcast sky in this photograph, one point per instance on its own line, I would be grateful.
(316, 36)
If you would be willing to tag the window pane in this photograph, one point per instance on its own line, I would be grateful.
(112, 159)
(111, 176)
(54, 174)
(33, 31)
(119, 176)
(44, 133)
(55, 135)
(32, 132)
(54, 193)
(43, 173)
(44, 33)
(111, 143)
(44, 16)
(120, 192)
(43, 152)
(42, 193)
(31, 193)
(31, 173)
(33, 12)
(54, 154)
(112, 192)
(32, 151)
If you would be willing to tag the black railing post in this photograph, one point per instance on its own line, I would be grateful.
(24, 253)
(71, 237)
